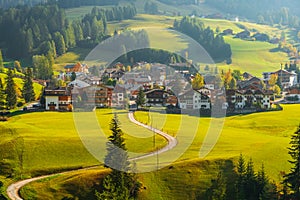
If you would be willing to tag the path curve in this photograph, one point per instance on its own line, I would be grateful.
(13, 189)
(172, 142)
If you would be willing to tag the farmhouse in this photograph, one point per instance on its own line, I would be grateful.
(158, 97)
(287, 79)
(78, 67)
(248, 99)
(58, 99)
(193, 99)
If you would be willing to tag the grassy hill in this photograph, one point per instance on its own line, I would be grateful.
(252, 56)
(262, 136)
(49, 142)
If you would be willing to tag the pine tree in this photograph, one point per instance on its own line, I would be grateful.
(292, 179)
(1, 62)
(120, 184)
(2, 96)
(28, 90)
(140, 100)
(10, 91)
(241, 171)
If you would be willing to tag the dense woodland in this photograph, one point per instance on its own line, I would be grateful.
(45, 29)
(213, 43)
(78, 3)
(13, 3)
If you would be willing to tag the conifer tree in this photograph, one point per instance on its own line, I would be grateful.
(140, 100)
(1, 62)
(2, 95)
(10, 91)
(120, 184)
(292, 179)
(28, 91)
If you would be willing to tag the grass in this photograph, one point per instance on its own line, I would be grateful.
(252, 56)
(262, 136)
(51, 143)
(80, 12)
(71, 57)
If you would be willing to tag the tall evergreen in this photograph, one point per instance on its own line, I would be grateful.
(10, 91)
(292, 179)
(241, 171)
(141, 99)
(28, 91)
(2, 95)
(120, 184)
(1, 61)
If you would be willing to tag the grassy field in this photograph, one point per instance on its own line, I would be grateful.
(50, 141)
(262, 136)
(252, 56)
(71, 57)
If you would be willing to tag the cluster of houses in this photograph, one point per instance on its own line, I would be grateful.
(159, 86)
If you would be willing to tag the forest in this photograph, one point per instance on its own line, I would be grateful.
(214, 44)
(45, 29)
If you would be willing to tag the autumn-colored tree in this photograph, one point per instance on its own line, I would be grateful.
(197, 82)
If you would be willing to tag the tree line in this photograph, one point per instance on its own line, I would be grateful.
(78, 3)
(262, 11)
(213, 43)
(135, 48)
(244, 183)
(13, 3)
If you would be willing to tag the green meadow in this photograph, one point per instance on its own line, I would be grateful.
(264, 137)
(252, 56)
(50, 141)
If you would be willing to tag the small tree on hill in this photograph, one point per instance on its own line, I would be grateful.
(28, 90)
(292, 179)
(10, 91)
(120, 184)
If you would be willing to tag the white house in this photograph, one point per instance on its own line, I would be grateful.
(193, 99)
(57, 100)
(286, 78)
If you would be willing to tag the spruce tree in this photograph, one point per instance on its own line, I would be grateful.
(241, 171)
(1, 62)
(140, 100)
(10, 91)
(120, 184)
(2, 96)
(28, 91)
(292, 179)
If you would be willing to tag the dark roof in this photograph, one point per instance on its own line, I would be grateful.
(248, 92)
(258, 92)
(69, 66)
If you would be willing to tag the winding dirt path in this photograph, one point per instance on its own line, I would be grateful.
(13, 189)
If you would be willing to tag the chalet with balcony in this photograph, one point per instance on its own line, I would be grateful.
(193, 99)
(57, 100)
(158, 97)
(287, 79)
